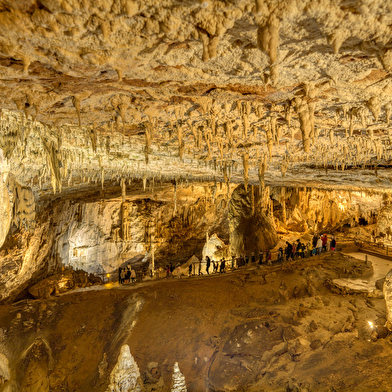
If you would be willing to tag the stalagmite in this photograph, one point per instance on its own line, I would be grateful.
(178, 380)
(125, 376)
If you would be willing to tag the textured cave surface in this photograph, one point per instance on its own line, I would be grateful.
(165, 130)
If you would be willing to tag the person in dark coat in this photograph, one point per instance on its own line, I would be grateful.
(289, 249)
(222, 266)
(208, 263)
(333, 244)
(261, 257)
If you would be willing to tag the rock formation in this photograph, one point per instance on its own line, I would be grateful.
(125, 376)
(178, 380)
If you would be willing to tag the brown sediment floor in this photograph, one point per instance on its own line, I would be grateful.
(234, 332)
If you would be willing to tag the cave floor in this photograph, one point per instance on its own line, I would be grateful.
(257, 329)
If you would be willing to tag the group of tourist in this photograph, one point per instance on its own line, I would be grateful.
(292, 251)
(298, 249)
(126, 274)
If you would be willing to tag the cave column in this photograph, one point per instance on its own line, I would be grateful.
(126, 222)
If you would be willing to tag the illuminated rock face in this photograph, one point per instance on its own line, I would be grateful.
(215, 248)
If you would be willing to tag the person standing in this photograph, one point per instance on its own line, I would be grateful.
(310, 249)
(289, 250)
(133, 275)
(222, 266)
(232, 262)
(324, 241)
(333, 244)
(128, 273)
(319, 245)
(200, 273)
(190, 270)
(261, 257)
(253, 257)
(122, 276)
(293, 250)
(208, 263)
(268, 258)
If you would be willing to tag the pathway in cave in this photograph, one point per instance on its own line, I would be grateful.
(149, 282)
(380, 267)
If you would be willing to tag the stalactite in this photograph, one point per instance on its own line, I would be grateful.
(76, 104)
(107, 145)
(304, 114)
(180, 141)
(52, 158)
(283, 203)
(93, 137)
(123, 189)
(122, 108)
(175, 198)
(331, 136)
(245, 162)
(269, 139)
(375, 106)
(268, 37)
(283, 167)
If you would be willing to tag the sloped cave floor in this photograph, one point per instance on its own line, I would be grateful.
(228, 333)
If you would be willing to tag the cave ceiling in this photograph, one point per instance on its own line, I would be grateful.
(294, 93)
